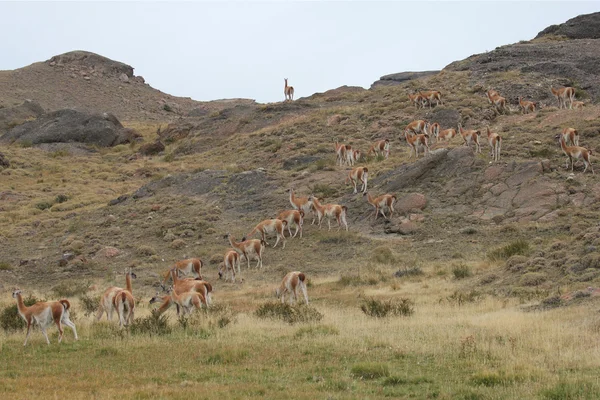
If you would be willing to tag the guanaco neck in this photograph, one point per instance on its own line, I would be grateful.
(316, 203)
(128, 281)
(370, 198)
(175, 276)
(21, 305)
(233, 243)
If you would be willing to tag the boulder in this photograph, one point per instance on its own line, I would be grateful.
(413, 201)
(13, 116)
(67, 126)
(396, 79)
(150, 149)
(91, 62)
(581, 27)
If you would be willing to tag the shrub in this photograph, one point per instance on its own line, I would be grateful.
(10, 320)
(395, 381)
(89, 304)
(324, 190)
(44, 205)
(518, 247)
(383, 255)
(154, 324)
(381, 309)
(412, 271)
(4, 266)
(461, 271)
(61, 198)
(319, 330)
(461, 297)
(71, 288)
(146, 251)
(289, 313)
(533, 279)
(370, 371)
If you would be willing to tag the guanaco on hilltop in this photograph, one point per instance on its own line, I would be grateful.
(330, 211)
(358, 174)
(431, 96)
(290, 284)
(564, 95)
(495, 142)
(381, 203)
(575, 152)
(44, 314)
(417, 100)
(288, 91)
(498, 101)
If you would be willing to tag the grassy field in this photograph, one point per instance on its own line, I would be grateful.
(484, 348)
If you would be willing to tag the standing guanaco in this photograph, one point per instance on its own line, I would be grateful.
(470, 136)
(330, 211)
(358, 174)
(381, 203)
(107, 300)
(269, 226)
(381, 147)
(290, 284)
(575, 152)
(230, 260)
(288, 91)
(564, 95)
(247, 248)
(415, 142)
(495, 142)
(295, 217)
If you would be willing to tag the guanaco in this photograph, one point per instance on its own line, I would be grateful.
(330, 211)
(340, 153)
(434, 130)
(470, 136)
(564, 95)
(447, 134)
(526, 106)
(269, 226)
(381, 147)
(578, 105)
(491, 93)
(571, 136)
(124, 303)
(575, 152)
(416, 142)
(189, 266)
(187, 300)
(191, 284)
(495, 142)
(418, 126)
(107, 300)
(290, 284)
(295, 217)
(44, 314)
(416, 99)
(230, 260)
(358, 174)
(247, 248)
(381, 203)
(431, 96)
(288, 91)
(301, 203)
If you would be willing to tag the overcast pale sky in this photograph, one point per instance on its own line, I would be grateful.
(226, 49)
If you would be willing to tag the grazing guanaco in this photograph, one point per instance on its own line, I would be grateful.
(381, 203)
(416, 142)
(288, 91)
(499, 102)
(578, 105)
(564, 95)
(571, 136)
(191, 284)
(290, 284)
(293, 217)
(124, 303)
(416, 99)
(330, 211)
(353, 156)
(187, 300)
(301, 203)
(358, 174)
(189, 266)
(431, 96)
(340, 153)
(44, 314)
(417, 127)
(491, 93)
(269, 226)
(495, 142)
(247, 248)
(230, 260)
(434, 130)
(107, 299)
(575, 152)
(470, 136)
(165, 300)
(526, 106)
(447, 134)
(381, 147)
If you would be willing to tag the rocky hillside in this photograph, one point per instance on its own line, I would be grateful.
(71, 215)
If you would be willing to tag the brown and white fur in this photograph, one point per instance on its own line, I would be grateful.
(470, 136)
(447, 135)
(340, 153)
(381, 147)
(191, 284)
(124, 303)
(495, 142)
(498, 101)
(293, 217)
(381, 203)
(418, 126)
(165, 301)
(330, 211)
(290, 284)
(564, 95)
(491, 93)
(575, 152)
(269, 226)
(352, 156)
(288, 91)
(416, 142)
(44, 314)
(570, 136)
(107, 299)
(189, 266)
(187, 300)
(578, 105)
(230, 261)
(301, 203)
(416, 99)
(358, 174)
(247, 248)
(431, 96)
(434, 130)
(526, 106)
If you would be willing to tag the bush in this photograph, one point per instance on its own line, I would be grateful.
(146, 251)
(4, 266)
(289, 313)
(370, 371)
(461, 271)
(71, 288)
(319, 330)
(518, 247)
(382, 309)
(383, 255)
(61, 198)
(412, 271)
(208, 319)
(89, 304)
(154, 324)
(44, 205)
(459, 297)
(10, 320)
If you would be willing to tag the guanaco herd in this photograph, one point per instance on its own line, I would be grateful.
(192, 292)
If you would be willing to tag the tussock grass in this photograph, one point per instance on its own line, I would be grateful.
(518, 247)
